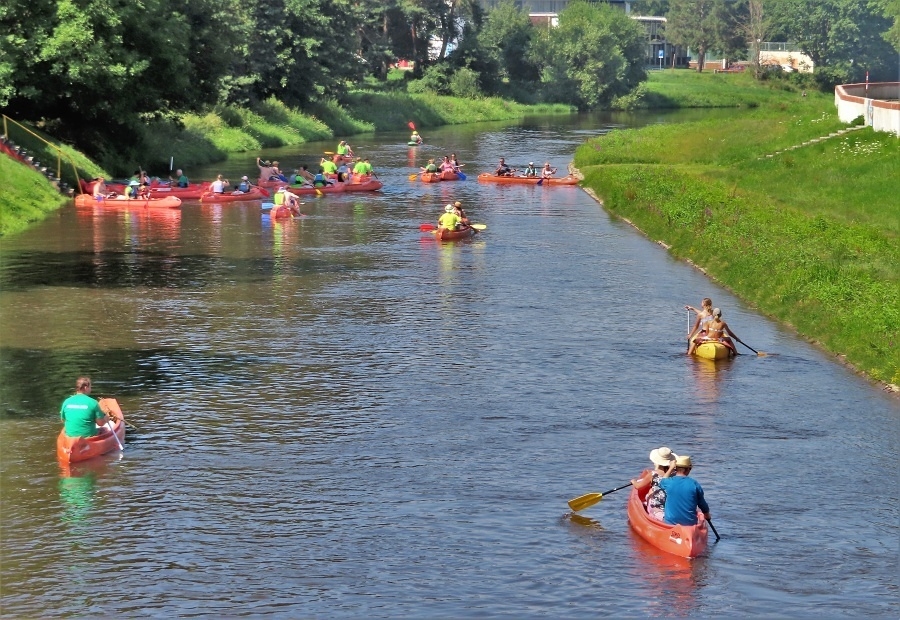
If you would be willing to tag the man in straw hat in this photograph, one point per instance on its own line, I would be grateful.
(663, 460)
(684, 495)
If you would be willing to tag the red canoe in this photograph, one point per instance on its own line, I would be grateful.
(488, 177)
(434, 177)
(687, 541)
(443, 234)
(253, 194)
(75, 449)
(86, 200)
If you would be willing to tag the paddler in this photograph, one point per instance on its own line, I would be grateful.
(449, 220)
(80, 413)
(684, 495)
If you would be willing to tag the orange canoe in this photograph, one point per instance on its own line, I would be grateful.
(75, 449)
(488, 177)
(687, 541)
(169, 202)
(444, 234)
(253, 194)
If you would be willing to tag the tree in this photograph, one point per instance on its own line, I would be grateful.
(693, 23)
(506, 35)
(842, 37)
(595, 54)
(756, 29)
(890, 9)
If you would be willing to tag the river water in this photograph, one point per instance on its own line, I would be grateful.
(338, 416)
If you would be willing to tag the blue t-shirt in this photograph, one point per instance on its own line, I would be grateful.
(683, 496)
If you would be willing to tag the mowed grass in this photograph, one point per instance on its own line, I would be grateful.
(684, 88)
(807, 234)
(26, 197)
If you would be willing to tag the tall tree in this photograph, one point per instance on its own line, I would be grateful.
(596, 53)
(693, 23)
(843, 36)
(507, 35)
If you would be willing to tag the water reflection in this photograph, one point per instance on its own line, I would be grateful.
(669, 582)
(77, 490)
(708, 377)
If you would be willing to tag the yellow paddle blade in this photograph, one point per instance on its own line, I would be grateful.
(319, 193)
(413, 177)
(329, 152)
(585, 501)
(479, 226)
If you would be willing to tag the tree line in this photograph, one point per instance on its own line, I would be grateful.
(92, 71)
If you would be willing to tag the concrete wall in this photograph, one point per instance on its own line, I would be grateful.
(879, 105)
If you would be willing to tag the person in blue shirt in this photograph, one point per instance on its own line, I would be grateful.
(684, 495)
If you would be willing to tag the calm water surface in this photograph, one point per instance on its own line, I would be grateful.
(338, 416)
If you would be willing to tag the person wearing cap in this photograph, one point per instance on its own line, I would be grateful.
(717, 329)
(218, 186)
(449, 220)
(131, 190)
(684, 495)
(415, 137)
(531, 171)
(663, 460)
(244, 186)
(547, 171)
(503, 170)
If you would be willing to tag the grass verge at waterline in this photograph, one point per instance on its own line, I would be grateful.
(26, 197)
(809, 235)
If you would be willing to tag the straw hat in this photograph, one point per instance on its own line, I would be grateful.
(449, 208)
(662, 456)
(683, 461)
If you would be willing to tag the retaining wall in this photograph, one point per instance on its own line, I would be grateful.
(879, 105)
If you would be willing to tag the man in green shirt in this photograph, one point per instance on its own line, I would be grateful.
(81, 413)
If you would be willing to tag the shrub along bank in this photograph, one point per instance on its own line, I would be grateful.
(809, 235)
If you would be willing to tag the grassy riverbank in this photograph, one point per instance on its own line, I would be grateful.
(26, 197)
(207, 138)
(807, 234)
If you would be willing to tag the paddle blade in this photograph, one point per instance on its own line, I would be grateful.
(267, 205)
(479, 226)
(541, 182)
(319, 192)
(264, 191)
(411, 125)
(461, 176)
(427, 227)
(413, 177)
(585, 501)
(328, 152)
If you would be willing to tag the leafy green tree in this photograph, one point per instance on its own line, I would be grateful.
(506, 35)
(844, 38)
(890, 9)
(650, 8)
(596, 53)
(694, 23)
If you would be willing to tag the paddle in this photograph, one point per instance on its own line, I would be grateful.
(713, 529)
(432, 227)
(759, 353)
(411, 125)
(112, 430)
(460, 174)
(413, 177)
(540, 182)
(589, 499)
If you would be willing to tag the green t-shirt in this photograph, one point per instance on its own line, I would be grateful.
(329, 167)
(80, 413)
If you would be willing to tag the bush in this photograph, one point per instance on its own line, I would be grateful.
(436, 80)
(464, 83)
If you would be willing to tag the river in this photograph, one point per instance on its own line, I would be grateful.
(338, 416)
